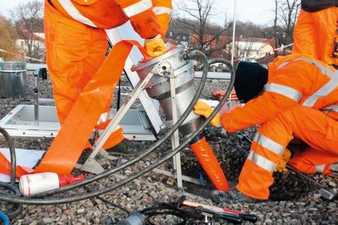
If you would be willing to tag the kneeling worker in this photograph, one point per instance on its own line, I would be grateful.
(296, 97)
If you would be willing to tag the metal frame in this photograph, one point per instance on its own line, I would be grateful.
(151, 106)
(175, 139)
(91, 165)
(48, 125)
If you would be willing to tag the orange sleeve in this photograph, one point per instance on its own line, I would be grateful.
(266, 106)
(163, 3)
(162, 10)
(142, 17)
(304, 36)
(126, 3)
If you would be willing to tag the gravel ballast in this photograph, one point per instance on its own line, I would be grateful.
(300, 204)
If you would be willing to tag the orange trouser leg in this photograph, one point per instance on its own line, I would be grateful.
(312, 126)
(206, 157)
(82, 92)
(5, 167)
(74, 54)
(313, 161)
(68, 145)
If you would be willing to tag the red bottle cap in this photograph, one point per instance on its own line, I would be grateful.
(70, 179)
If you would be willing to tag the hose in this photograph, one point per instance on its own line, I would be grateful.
(4, 219)
(15, 199)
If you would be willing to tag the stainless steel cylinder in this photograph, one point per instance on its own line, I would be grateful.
(12, 79)
(164, 66)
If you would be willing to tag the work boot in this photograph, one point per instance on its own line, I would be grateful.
(232, 196)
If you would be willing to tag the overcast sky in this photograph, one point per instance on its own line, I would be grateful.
(257, 11)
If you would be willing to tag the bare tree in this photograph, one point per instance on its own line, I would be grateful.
(204, 34)
(286, 12)
(28, 19)
(275, 21)
(7, 39)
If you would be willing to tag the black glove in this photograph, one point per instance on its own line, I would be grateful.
(317, 5)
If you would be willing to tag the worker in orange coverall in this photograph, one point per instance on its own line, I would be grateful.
(296, 97)
(79, 66)
(315, 32)
(83, 74)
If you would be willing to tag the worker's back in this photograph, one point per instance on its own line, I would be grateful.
(316, 82)
(315, 35)
(104, 13)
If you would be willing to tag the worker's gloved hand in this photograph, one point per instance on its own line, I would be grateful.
(146, 24)
(204, 109)
(281, 165)
(155, 46)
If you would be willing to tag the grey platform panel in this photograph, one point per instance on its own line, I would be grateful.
(214, 75)
(20, 123)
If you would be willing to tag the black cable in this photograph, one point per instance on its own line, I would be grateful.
(113, 204)
(11, 148)
(109, 202)
(118, 101)
(12, 185)
(172, 209)
(11, 198)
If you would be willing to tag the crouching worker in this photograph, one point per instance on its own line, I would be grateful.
(297, 97)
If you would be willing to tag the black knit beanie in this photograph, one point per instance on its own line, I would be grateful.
(250, 80)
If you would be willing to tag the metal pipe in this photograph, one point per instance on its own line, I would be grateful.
(234, 20)
(36, 98)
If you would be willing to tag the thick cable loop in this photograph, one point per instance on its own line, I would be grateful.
(15, 199)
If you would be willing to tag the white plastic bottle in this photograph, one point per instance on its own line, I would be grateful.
(33, 184)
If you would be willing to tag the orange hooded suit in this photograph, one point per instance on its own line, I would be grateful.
(315, 33)
(299, 100)
(83, 73)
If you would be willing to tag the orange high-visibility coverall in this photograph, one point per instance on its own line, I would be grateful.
(75, 50)
(297, 89)
(315, 34)
(83, 77)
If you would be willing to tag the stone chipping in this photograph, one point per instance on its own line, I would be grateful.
(296, 200)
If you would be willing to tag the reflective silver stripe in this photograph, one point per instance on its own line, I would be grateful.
(325, 89)
(322, 92)
(283, 90)
(331, 108)
(322, 67)
(138, 8)
(282, 65)
(104, 117)
(269, 144)
(161, 10)
(261, 161)
(74, 13)
(320, 168)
